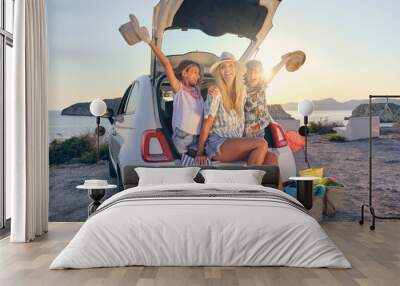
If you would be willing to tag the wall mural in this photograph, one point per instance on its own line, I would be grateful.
(191, 88)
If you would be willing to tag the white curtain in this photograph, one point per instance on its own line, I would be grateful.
(27, 152)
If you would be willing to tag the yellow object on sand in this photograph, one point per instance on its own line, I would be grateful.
(312, 172)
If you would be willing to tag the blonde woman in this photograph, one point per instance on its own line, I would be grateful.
(223, 124)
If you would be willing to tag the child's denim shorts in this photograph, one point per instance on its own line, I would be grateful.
(184, 141)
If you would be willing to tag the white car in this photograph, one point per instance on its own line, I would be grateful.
(141, 127)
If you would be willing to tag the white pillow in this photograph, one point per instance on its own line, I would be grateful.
(165, 176)
(249, 177)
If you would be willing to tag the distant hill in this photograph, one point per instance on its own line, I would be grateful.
(83, 108)
(276, 110)
(333, 104)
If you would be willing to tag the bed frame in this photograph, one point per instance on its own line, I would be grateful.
(270, 179)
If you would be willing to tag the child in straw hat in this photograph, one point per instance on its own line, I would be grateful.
(257, 116)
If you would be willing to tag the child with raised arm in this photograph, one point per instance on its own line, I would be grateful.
(257, 116)
(188, 103)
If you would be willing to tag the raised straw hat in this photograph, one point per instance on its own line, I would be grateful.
(295, 61)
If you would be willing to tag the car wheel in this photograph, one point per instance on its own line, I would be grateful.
(111, 170)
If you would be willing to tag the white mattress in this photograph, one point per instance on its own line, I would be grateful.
(191, 231)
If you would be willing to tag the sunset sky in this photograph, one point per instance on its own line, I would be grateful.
(352, 47)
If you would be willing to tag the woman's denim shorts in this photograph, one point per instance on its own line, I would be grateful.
(213, 144)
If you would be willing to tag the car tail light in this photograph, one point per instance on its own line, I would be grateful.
(279, 135)
(155, 147)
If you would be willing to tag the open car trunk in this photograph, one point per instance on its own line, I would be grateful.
(251, 19)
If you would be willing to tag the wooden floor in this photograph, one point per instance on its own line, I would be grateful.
(375, 257)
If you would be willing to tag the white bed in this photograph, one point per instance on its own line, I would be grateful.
(267, 229)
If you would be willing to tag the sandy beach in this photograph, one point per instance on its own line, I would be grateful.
(347, 161)
(66, 203)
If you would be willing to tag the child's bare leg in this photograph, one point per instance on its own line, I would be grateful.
(272, 159)
(280, 183)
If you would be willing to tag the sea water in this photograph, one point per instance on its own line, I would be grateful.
(66, 126)
(337, 116)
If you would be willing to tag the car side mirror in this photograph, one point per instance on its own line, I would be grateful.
(119, 118)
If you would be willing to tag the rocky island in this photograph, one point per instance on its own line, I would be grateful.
(389, 112)
(82, 108)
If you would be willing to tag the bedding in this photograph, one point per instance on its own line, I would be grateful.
(161, 176)
(248, 177)
(200, 225)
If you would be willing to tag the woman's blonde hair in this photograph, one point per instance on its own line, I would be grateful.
(256, 65)
(233, 101)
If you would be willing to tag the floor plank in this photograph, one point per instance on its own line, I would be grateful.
(375, 257)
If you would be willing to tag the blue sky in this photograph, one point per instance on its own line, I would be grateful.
(352, 47)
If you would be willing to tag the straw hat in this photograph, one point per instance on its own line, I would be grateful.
(295, 61)
(226, 57)
(96, 184)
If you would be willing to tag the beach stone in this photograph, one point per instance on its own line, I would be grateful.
(387, 112)
(278, 113)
